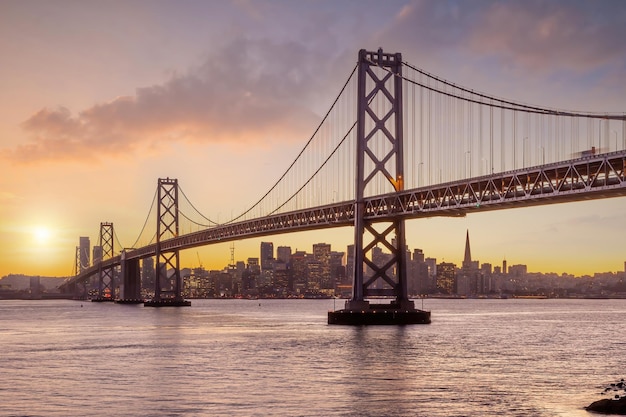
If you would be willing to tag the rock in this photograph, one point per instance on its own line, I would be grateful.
(607, 406)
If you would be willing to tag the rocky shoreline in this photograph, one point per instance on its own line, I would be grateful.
(615, 405)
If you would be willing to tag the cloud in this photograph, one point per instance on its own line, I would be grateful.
(552, 35)
(535, 34)
(249, 92)
(429, 27)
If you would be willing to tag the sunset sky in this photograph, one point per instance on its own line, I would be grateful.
(100, 99)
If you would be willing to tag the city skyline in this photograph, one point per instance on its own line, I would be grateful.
(89, 122)
(267, 246)
(324, 271)
(502, 263)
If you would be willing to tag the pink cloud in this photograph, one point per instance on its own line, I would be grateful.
(248, 92)
(551, 35)
(540, 35)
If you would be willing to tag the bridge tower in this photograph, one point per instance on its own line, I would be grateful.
(167, 289)
(106, 276)
(380, 160)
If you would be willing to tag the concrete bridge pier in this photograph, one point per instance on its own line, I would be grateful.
(130, 291)
(77, 289)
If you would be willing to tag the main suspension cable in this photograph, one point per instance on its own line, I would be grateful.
(197, 211)
(147, 218)
(301, 152)
(511, 105)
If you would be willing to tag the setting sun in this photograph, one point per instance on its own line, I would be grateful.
(41, 235)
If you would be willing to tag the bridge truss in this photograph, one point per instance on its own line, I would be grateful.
(587, 178)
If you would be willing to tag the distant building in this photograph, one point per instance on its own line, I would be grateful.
(283, 254)
(446, 278)
(432, 266)
(267, 255)
(250, 277)
(487, 275)
(418, 277)
(518, 271)
(350, 264)
(280, 278)
(148, 274)
(469, 280)
(322, 254)
(84, 248)
(337, 269)
(240, 267)
(253, 265)
(97, 254)
(299, 272)
(314, 273)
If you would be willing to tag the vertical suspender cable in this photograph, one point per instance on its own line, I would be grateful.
(429, 134)
(514, 139)
(502, 142)
(490, 138)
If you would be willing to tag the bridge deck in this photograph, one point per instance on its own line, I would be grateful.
(592, 177)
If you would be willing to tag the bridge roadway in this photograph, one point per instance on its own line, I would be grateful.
(586, 178)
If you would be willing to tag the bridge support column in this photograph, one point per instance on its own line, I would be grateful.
(77, 290)
(168, 283)
(380, 163)
(80, 290)
(130, 291)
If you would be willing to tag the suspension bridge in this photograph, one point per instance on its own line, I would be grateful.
(397, 143)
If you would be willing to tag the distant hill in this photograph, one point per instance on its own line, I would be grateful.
(22, 282)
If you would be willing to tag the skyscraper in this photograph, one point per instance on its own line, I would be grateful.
(432, 266)
(321, 253)
(283, 253)
(337, 270)
(418, 279)
(299, 271)
(97, 254)
(84, 248)
(467, 259)
(350, 263)
(469, 280)
(267, 255)
(148, 273)
(446, 278)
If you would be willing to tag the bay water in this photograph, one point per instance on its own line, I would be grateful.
(478, 357)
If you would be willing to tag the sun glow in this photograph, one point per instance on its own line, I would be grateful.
(41, 234)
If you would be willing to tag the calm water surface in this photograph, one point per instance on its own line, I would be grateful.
(279, 357)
